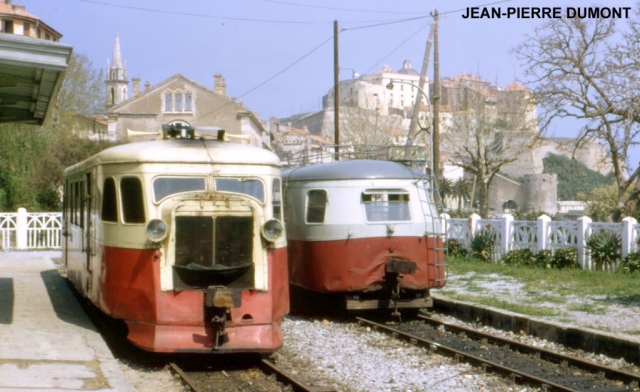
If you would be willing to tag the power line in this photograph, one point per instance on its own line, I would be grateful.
(273, 76)
(193, 14)
(337, 8)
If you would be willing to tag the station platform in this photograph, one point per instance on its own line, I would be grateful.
(47, 342)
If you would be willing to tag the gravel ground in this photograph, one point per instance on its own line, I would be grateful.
(596, 312)
(349, 358)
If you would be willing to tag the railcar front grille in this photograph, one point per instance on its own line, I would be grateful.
(213, 251)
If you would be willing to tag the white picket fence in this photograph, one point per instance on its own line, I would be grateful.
(24, 230)
(542, 234)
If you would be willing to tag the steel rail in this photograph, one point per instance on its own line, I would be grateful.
(291, 380)
(632, 379)
(486, 365)
(184, 376)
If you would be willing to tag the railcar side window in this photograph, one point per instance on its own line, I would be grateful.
(167, 186)
(386, 205)
(132, 200)
(277, 199)
(247, 186)
(109, 204)
(316, 205)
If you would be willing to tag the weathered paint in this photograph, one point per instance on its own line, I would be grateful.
(357, 264)
(174, 321)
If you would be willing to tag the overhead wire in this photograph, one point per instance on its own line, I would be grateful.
(373, 25)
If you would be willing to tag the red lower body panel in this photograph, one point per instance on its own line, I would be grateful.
(175, 321)
(355, 265)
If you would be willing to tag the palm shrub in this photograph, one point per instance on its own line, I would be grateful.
(482, 244)
(604, 247)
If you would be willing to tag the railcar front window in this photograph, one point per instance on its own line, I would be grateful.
(316, 206)
(384, 206)
(213, 251)
(246, 186)
(166, 186)
(132, 200)
(109, 204)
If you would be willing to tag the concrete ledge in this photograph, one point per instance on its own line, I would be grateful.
(569, 335)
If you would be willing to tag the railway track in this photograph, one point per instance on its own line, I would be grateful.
(265, 376)
(523, 364)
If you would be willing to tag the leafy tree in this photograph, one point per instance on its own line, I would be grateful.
(587, 70)
(32, 158)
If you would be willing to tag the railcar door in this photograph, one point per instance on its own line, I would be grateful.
(88, 235)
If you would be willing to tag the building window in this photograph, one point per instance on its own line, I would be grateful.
(8, 26)
(168, 103)
(27, 30)
(178, 102)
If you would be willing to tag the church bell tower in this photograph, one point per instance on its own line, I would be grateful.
(117, 81)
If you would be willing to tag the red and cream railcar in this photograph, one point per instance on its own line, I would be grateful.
(181, 238)
(365, 230)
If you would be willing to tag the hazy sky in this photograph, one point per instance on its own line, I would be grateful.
(278, 55)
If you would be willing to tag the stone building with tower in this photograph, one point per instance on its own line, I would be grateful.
(521, 185)
(176, 100)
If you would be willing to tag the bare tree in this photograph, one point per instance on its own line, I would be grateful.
(589, 70)
(486, 131)
(368, 130)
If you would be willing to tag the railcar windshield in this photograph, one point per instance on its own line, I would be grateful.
(390, 205)
(247, 186)
(164, 187)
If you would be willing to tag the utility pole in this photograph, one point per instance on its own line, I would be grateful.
(416, 107)
(336, 91)
(436, 103)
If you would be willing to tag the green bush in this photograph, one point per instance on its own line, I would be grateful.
(630, 263)
(542, 259)
(561, 258)
(565, 258)
(604, 247)
(455, 248)
(482, 244)
(519, 257)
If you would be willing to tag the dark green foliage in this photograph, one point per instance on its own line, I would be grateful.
(482, 244)
(455, 249)
(574, 176)
(630, 263)
(32, 158)
(527, 216)
(604, 247)
(519, 257)
(565, 258)
(561, 258)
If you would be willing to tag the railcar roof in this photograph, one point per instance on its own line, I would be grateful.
(351, 170)
(181, 151)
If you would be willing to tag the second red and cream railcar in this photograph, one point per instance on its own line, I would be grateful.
(365, 230)
(181, 238)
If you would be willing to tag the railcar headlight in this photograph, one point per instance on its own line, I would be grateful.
(156, 230)
(272, 229)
